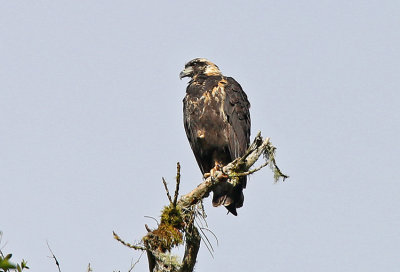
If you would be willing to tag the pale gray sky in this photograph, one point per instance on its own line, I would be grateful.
(91, 119)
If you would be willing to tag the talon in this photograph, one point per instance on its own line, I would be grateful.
(218, 168)
(222, 176)
(212, 172)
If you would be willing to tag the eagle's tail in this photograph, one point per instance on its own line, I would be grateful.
(229, 196)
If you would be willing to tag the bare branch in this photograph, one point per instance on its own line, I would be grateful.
(54, 257)
(137, 261)
(207, 242)
(252, 171)
(178, 181)
(147, 228)
(215, 236)
(151, 217)
(116, 237)
(166, 189)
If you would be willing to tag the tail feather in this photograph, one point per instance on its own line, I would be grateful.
(227, 195)
(232, 209)
(218, 200)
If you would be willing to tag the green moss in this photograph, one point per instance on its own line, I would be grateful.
(172, 216)
(168, 234)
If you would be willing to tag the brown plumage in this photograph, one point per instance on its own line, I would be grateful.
(217, 123)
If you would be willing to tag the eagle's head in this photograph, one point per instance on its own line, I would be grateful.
(198, 67)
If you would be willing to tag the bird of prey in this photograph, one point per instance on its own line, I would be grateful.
(217, 123)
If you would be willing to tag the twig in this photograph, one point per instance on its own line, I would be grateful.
(178, 181)
(152, 218)
(166, 189)
(147, 228)
(204, 237)
(54, 257)
(207, 242)
(116, 237)
(250, 171)
(133, 265)
(215, 236)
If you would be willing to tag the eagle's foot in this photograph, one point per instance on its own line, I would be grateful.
(218, 168)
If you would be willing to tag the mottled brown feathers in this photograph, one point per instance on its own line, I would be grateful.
(217, 123)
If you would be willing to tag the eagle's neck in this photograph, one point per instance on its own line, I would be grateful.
(212, 70)
(200, 78)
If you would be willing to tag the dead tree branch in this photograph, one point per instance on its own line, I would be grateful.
(235, 169)
(178, 219)
(116, 237)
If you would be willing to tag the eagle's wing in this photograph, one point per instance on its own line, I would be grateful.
(236, 108)
(191, 127)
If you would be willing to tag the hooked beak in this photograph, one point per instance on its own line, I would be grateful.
(187, 72)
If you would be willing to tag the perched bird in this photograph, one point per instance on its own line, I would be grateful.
(217, 123)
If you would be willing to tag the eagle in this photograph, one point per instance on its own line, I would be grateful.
(217, 123)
